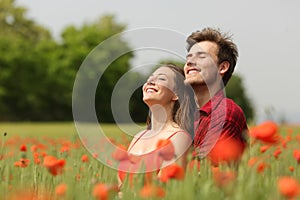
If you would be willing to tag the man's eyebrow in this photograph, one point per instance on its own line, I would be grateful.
(197, 53)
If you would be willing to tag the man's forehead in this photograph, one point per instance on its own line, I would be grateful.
(204, 46)
(196, 47)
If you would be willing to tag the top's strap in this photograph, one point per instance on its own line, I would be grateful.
(146, 132)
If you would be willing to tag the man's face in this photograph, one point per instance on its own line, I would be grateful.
(201, 64)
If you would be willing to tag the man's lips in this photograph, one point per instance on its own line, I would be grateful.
(192, 71)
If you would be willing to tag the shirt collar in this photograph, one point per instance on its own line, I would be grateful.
(213, 102)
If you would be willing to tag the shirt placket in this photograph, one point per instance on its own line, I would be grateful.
(197, 122)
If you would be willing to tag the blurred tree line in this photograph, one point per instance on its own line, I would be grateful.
(37, 72)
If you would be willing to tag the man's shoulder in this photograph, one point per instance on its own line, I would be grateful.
(231, 108)
(234, 115)
(230, 105)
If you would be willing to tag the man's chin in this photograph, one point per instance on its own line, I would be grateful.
(189, 81)
(194, 82)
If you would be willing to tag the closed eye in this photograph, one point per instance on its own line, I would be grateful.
(202, 55)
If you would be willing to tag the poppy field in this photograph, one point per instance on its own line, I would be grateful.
(48, 161)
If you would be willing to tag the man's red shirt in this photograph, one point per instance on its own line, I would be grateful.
(220, 117)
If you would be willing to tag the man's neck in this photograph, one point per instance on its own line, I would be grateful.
(204, 94)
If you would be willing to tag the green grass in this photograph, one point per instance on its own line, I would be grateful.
(81, 177)
(27, 129)
(61, 129)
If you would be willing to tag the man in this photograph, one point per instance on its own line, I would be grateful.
(210, 62)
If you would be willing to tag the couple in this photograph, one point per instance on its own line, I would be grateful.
(170, 94)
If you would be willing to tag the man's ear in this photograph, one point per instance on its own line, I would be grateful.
(224, 67)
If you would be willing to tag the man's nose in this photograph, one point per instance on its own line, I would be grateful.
(190, 62)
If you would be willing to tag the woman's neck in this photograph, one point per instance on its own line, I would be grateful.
(161, 117)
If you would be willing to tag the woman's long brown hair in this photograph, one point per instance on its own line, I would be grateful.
(184, 108)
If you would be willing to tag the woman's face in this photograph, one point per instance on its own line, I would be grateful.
(159, 88)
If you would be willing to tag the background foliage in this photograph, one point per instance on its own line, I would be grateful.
(38, 72)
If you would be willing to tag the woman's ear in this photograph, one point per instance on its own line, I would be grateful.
(224, 67)
(175, 97)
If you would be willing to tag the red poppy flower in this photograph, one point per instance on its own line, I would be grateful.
(22, 163)
(54, 165)
(252, 161)
(23, 147)
(226, 150)
(223, 178)
(166, 149)
(95, 155)
(264, 148)
(61, 189)
(171, 172)
(43, 154)
(296, 155)
(288, 186)
(152, 191)
(33, 148)
(101, 191)
(36, 158)
(84, 158)
(27, 194)
(258, 163)
(261, 167)
(284, 143)
(36, 154)
(276, 153)
(266, 132)
(120, 153)
(64, 149)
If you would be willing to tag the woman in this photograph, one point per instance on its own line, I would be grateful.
(171, 104)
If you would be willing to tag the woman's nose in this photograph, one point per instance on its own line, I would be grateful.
(151, 81)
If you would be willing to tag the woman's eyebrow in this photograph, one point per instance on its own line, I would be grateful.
(159, 74)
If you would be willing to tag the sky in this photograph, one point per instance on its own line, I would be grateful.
(266, 33)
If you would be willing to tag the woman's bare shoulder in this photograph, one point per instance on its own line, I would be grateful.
(178, 132)
(137, 137)
(140, 133)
